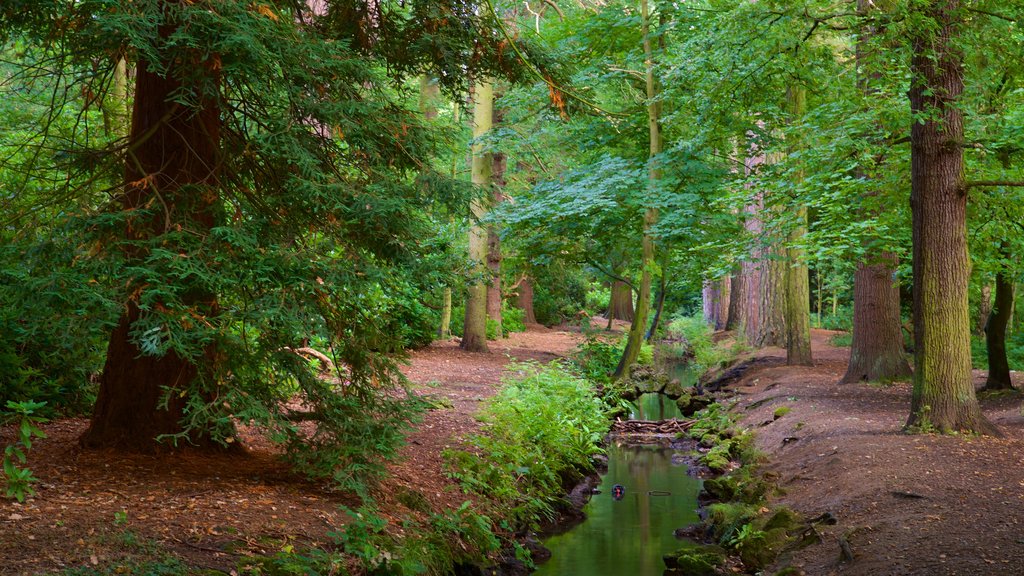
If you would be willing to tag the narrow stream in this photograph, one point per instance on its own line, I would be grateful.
(628, 536)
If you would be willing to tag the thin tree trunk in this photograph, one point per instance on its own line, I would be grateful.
(494, 298)
(474, 334)
(173, 153)
(943, 392)
(115, 103)
(643, 302)
(995, 331)
(444, 331)
(984, 308)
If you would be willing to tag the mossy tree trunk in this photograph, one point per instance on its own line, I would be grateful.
(647, 264)
(172, 161)
(943, 391)
(474, 335)
(798, 280)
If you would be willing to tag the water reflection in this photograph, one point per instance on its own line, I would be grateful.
(629, 536)
(654, 406)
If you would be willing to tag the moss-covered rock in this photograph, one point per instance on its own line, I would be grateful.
(695, 559)
(689, 404)
(762, 548)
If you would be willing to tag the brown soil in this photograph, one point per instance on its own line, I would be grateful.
(907, 504)
(211, 510)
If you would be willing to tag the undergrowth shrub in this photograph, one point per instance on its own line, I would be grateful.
(1014, 351)
(540, 433)
(698, 343)
(511, 321)
(597, 357)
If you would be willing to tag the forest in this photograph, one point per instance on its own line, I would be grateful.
(430, 286)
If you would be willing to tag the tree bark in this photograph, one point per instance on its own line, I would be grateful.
(995, 332)
(621, 303)
(876, 354)
(444, 331)
(798, 281)
(798, 299)
(474, 332)
(172, 162)
(494, 298)
(524, 300)
(943, 393)
(115, 102)
(716, 301)
(984, 307)
(737, 300)
(643, 301)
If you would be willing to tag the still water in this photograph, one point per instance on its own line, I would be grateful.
(628, 537)
(654, 406)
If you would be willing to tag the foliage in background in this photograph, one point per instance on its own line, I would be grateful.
(540, 433)
(697, 343)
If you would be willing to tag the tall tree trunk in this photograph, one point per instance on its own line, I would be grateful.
(876, 353)
(494, 298)
(474, 334)
(995, 331)
(772, 301)
(444, 331)
(737, 300)
(173, 155)
(524, 300)
(798, 287)
(798, 299)
(715, 297)
(943, 393)
(620, 306)
(643, 301)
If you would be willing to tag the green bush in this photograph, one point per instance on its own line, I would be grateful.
(698, 342)
(1014, 351)
(511, 321)
(598, 299)
(540, 433)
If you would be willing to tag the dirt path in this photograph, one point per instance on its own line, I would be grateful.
(907, 504)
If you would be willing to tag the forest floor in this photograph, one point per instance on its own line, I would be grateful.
(906, 504)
